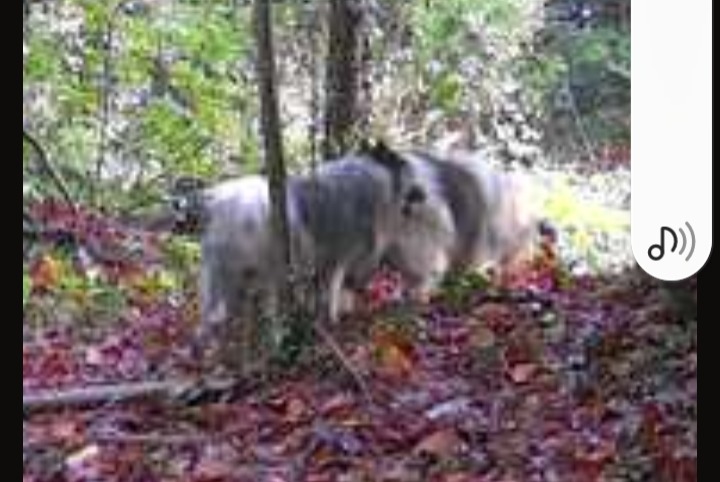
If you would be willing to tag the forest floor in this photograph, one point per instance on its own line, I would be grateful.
(559, 374)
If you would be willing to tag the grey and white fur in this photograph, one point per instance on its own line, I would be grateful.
(342, 219)
(459, 214)
(426, 214)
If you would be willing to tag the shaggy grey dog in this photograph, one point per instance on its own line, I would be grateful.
(459, 213)
(342, 219)
(425, 214)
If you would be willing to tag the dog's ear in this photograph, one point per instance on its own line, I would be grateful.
(547, 230)
(414, 197)
(391, 160)
(411, 194)
(386, 156)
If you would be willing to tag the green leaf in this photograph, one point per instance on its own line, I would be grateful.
(27, 288)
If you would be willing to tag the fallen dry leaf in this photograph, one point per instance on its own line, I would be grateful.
(441, 444)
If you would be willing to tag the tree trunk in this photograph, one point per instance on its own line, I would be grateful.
(273, 146)
(270, 122)
(342, 77)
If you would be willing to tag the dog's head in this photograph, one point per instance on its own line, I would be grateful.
(406, 187)
(187, 200)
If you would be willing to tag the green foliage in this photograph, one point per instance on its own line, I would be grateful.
(125, 95)
(513, 74)
(459, 35)
(43, 61)
(447, 92)
(27, 288)
(581, 71)
(138, 92)
(444, 29)
(459, 290)
(564, 208)
(288, 351)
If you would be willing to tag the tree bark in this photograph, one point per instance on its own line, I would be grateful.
(270, 125)
(342, 77)
(274, 163)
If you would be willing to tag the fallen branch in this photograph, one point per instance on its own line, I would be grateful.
(158, 439)
(516, 297)
(168, 390)
(47, 168)
(344, 361)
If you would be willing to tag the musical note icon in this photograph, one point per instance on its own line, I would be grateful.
(659, 249)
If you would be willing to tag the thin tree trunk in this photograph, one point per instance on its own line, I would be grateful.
(47, 168)
(270, 122)
(342, 76)
(274, 157)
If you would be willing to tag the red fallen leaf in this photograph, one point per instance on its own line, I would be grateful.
(296, 410)
(395, 353)
(538, 271)
(498, 317)
(85, 463)
(217, 463)
(394, 363)
(651, 427)
(523, 372)
(50, 366)
(46, 273)
(292, 406)
(520, 349)
(213, 470)
(589, 470)
(680, 469)
(461, 477)
(69, 431)
(383, 288)
(129, 462)
(275, 478)
(338, 406)
(222, 417)
(590, 465)
(441, 444)
(482, 337)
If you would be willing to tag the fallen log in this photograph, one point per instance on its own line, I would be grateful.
(181, 391)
